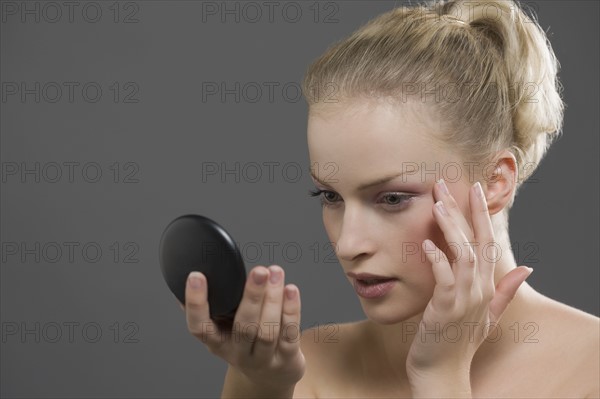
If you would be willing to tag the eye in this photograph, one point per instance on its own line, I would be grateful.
(327, 197)
(396, 198)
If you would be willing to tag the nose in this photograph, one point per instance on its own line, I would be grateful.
(354, 238)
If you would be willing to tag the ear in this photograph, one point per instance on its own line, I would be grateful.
(500, 180)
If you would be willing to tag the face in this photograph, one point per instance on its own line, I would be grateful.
(378, 228)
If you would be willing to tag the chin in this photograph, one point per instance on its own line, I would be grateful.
(387, 313)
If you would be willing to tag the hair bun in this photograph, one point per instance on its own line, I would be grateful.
(489, 64)
(530, 66)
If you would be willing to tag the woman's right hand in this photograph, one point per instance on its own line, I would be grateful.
(264, 343)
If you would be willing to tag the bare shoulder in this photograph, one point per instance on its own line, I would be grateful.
(323, 349)
(576, 338)
(571, 322)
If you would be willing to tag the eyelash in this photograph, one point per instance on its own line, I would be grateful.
(404, 198)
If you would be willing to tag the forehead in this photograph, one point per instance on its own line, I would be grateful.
(365, 139)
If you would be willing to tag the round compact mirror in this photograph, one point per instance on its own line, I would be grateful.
(197, 243)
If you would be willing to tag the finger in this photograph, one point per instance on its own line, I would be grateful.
(486, 250)
(439, 263)
(270, 318)
(444, 291)
(247, 317)
(197, 312)
(505, 291)
(442, 193)
(462, 255)
(289, 337)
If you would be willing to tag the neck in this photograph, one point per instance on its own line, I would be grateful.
(394, 340)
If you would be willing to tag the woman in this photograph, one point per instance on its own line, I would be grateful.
(422, 126)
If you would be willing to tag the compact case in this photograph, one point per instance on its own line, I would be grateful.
(197, 243)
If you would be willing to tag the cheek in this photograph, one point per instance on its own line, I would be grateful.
(411, 230)
(328, 223)
(419, 226)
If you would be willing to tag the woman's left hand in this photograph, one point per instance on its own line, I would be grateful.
(466, 304)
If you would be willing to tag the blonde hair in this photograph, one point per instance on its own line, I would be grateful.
(497, 56)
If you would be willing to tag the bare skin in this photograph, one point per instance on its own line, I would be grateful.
(540, 348)
(545, 348)
(563, 363)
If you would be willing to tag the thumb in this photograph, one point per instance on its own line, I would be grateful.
(506, 289)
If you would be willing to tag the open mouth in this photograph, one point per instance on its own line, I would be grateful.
(374, 281)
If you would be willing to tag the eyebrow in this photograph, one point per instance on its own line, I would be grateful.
(365, 186)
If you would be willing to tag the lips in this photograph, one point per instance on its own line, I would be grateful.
(371, 286)
(369, 277)
(374, 280)
(374, 288)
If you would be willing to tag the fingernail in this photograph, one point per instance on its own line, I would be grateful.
(290, 293)
(530, 270)
(259, 277)
(441, 208)
(275, 275)
(443, 186)
(195, 280)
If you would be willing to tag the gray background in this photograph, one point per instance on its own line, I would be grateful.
(166, 138)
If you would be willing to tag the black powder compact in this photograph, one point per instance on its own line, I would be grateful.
(197, 243)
